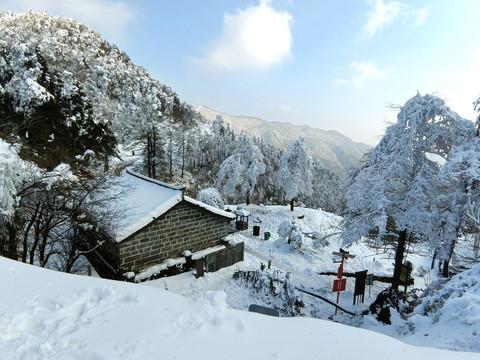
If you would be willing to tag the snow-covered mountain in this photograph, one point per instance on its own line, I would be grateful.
(334, 150)
(64, 88)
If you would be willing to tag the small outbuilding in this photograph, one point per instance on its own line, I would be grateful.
(160, 222)
(241, 221)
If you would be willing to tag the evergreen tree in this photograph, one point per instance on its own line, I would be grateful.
(294, 178)
(238, 176)
(394, 191)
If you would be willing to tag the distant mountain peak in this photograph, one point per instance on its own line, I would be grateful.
(331, 148)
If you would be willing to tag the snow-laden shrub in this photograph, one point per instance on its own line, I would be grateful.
(272, 288)
(212, 197)
(319, 240)
(291, 232)
(442, 300)
(391, 300)
(287, 302)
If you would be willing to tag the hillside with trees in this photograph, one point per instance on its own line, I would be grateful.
(75, 110)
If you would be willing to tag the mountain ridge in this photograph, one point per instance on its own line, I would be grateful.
(334, 150)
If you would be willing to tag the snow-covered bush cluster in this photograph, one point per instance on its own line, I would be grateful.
(272, 288)
(291, 233)
(452, 299)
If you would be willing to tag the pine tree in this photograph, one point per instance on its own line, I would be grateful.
(294, 178)
(238, 175)
(394, 191)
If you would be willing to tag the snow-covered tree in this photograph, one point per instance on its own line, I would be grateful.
(328, 193)
(291, 233)
(294, 178)
(393, 193)
(10, 176)
(211, 196)
(13, 173)
(458, 199)
(238, 175)
(58, 215)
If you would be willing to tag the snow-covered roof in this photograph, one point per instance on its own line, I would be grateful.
(242, 212)
(147, 199)
(211, 209)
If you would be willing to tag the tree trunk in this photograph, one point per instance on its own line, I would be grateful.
(149, 157)
(292, 203)
(450, 235)
(445, 269)
(170, 167)
(435, 253)
(10, 250)
(446, 262)
(33, 247)
(183, 156)
(402, 237)
(154, 154)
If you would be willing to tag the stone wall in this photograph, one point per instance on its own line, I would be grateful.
(184, 227)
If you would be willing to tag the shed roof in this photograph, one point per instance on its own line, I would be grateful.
(147, 199)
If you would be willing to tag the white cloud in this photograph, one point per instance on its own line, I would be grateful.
(108, 17)
(258, 37)
(364, 70)
(384, 13)
(381, 16)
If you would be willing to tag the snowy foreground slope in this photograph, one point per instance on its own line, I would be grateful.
(51, 315)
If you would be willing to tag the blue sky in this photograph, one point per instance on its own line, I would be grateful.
(333, 65)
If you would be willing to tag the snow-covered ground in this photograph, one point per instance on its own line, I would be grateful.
(314, 257)
(304, 264)
(51, 315)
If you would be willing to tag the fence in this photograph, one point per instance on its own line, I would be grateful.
(225, 257)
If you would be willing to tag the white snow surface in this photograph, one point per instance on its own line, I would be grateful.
(320, 238)
(210, 208)
(146, 200)
(51, 315)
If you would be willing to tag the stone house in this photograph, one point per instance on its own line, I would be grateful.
(161, 223)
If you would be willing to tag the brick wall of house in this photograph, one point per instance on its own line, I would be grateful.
(185, 227)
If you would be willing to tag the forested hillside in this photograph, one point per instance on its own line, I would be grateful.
(62, 85)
